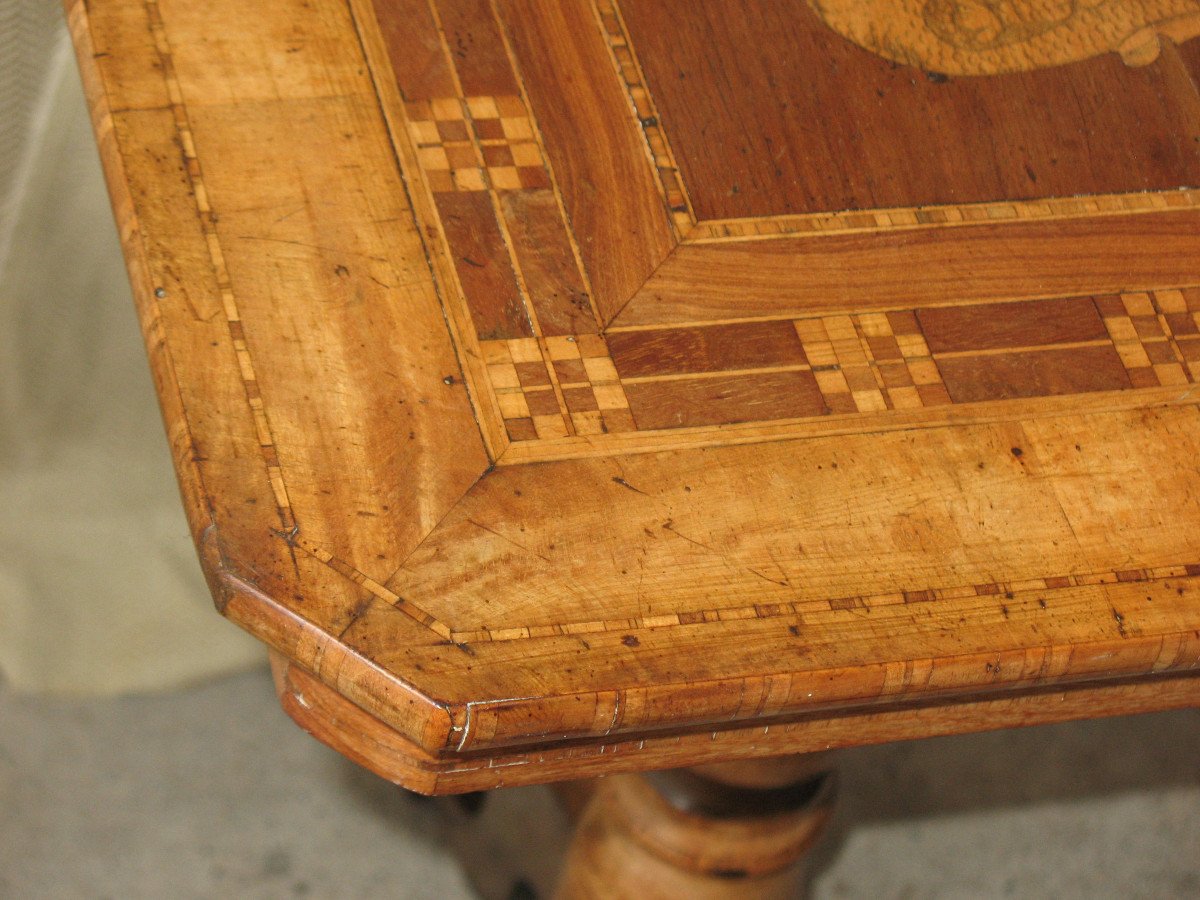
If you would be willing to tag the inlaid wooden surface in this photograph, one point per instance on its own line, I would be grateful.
(601, 371)
(1046, 164)
(747, 145)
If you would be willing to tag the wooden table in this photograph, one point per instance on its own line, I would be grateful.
(573, 388)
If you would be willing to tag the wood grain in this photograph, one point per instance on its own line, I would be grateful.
(925, 478)
(1007, 38)
(472, 34)
(482, 262)
(823, 505)
(333, 720)
(745, 345)
(573, 92)
(729, 399)
(252, 274)
(1034, 374)
(414, 49)
(879, 368)
(542, 246)
(679, 835)
(993, 326)
(842, 273)
(747, 146)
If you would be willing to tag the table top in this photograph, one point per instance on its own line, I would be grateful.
(568, 387)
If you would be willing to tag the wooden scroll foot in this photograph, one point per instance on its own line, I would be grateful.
(721, 831)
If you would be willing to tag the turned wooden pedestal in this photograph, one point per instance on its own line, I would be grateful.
(581, 388)
(733, 830)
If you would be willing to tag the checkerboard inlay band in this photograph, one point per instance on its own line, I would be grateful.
(473, 143)
(593, 400)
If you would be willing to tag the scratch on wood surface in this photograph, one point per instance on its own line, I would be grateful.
(509, 540)
(625, 484)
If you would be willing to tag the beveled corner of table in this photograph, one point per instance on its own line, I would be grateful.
(461, 598)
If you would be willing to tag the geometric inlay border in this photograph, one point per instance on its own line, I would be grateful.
(554, 372)
(1000, 590)
(688, 376)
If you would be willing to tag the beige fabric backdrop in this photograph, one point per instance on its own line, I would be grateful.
(100, 591)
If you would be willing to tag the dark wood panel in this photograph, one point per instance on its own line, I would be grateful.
(556, 289)
(483, 265)
(474, 41)
(1039, 373)
(745, 345)
(808, 121)
(724, 399)
(415, 49)
(992, 326)
(1189, 56)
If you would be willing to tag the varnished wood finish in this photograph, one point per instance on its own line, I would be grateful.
(347, 728)
(1009, 36)
(791, 276)
(697, 836)
(621, 243)
(540, 453)
(903, 135)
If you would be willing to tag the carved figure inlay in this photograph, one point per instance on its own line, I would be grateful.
(990, 37)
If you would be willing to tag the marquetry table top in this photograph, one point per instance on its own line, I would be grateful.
(563, 387)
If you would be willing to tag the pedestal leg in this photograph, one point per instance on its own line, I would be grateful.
(721, 831)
